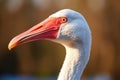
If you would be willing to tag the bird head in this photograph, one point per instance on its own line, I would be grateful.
(64, 26)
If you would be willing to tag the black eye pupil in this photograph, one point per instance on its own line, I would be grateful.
(63, 19)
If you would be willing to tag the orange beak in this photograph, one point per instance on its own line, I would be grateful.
(48, 29)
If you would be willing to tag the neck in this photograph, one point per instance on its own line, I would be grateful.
(74, 64)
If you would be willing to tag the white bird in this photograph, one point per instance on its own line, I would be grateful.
(68, 28)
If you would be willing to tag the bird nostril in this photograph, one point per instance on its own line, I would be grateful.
(26, 37)
(36, 28)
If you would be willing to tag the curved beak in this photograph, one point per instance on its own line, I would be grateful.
(48, 29)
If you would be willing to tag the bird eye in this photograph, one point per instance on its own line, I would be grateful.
(63, 19)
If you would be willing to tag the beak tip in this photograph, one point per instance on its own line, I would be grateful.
(9, 48)
(11, 45)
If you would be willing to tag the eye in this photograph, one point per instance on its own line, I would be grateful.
(63, 19)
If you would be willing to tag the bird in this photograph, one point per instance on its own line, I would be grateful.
(68, 28)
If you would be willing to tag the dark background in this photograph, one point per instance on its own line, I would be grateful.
(44, 58)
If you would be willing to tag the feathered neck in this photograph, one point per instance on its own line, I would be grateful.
(75, 62)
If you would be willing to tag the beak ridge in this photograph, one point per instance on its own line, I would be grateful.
(47, 29)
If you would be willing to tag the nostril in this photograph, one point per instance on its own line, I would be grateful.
(36, 28)
(24, 38)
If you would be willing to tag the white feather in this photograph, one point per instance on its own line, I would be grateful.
(75, 36)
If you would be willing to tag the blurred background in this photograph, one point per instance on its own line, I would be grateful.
(41, 59)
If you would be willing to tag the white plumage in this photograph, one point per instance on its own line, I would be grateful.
(74, 34)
